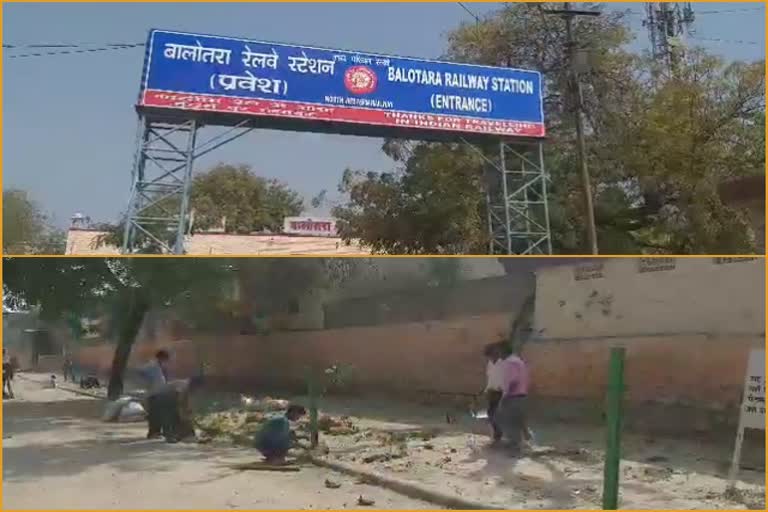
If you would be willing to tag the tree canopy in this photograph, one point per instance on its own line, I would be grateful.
(196, 290)
(228, 197)
(128, 288)
(26, 229)
(243, 201)
(659, 142)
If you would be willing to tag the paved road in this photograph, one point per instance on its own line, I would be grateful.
(58, 455)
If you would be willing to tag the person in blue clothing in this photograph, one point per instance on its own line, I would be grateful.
(275, 436)
(155, 375)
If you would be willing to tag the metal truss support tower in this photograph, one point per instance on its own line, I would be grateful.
(516, 197)
(158, 211)
(667, 24)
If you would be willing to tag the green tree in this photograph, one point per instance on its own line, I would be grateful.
(434, 206)
(192, 289)
(228, 196)
(275, 285)
(127, 287)
(26, 229)
(690, 134)
(658, 147)
(244, 201)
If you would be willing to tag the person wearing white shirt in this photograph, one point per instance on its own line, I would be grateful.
(493, 388)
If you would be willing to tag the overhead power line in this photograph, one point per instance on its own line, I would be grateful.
(723, 11)
(727, 41)
(469, 11)
(82, 48)
(731, 11)
(71, 49)
(63, 45)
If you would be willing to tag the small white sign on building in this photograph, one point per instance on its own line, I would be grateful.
(309, 226)
(752, 413)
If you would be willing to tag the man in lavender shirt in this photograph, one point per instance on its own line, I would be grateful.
(510, 416)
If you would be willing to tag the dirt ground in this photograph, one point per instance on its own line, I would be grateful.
(565, 469)
(58, 455)
(407, 441)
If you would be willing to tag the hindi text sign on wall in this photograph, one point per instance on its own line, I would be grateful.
(752, 413)
(309, 226)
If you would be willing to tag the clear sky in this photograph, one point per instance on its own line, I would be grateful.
(69, 123)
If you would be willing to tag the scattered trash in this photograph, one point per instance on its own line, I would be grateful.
(336, 426)
(330, 484)
(365, 502)
(655, 473)
(382, 457)
(266, 404)
(255, 417)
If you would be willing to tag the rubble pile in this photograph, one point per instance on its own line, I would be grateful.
(240, 424)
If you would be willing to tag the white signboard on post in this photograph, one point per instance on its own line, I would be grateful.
(752, 413)
(309, 226)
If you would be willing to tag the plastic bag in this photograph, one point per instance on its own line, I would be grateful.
(114, 410)
(132, 411)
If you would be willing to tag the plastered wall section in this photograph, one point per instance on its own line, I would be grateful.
(81, 242)
(696, 296)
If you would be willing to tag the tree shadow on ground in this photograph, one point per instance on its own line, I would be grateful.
(122, 454)
(66, 437)
(25, 417)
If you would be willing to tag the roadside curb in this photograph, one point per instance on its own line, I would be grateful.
(403, 487)
(64, 388)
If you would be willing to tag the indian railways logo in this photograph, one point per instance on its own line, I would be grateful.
(360, 80)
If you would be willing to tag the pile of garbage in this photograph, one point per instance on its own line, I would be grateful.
(240, 424)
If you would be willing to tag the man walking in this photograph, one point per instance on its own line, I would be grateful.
(493, 387)
(511, 413)
(156, 376)
(69, 368)
(8, 371)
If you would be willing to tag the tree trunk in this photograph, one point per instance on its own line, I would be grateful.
(136, 307)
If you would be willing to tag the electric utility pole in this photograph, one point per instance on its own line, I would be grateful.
(575, 93)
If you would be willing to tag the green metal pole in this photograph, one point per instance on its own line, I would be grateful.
(314, 431)
(613, 419)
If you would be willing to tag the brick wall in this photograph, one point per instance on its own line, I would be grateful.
(689, 371)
